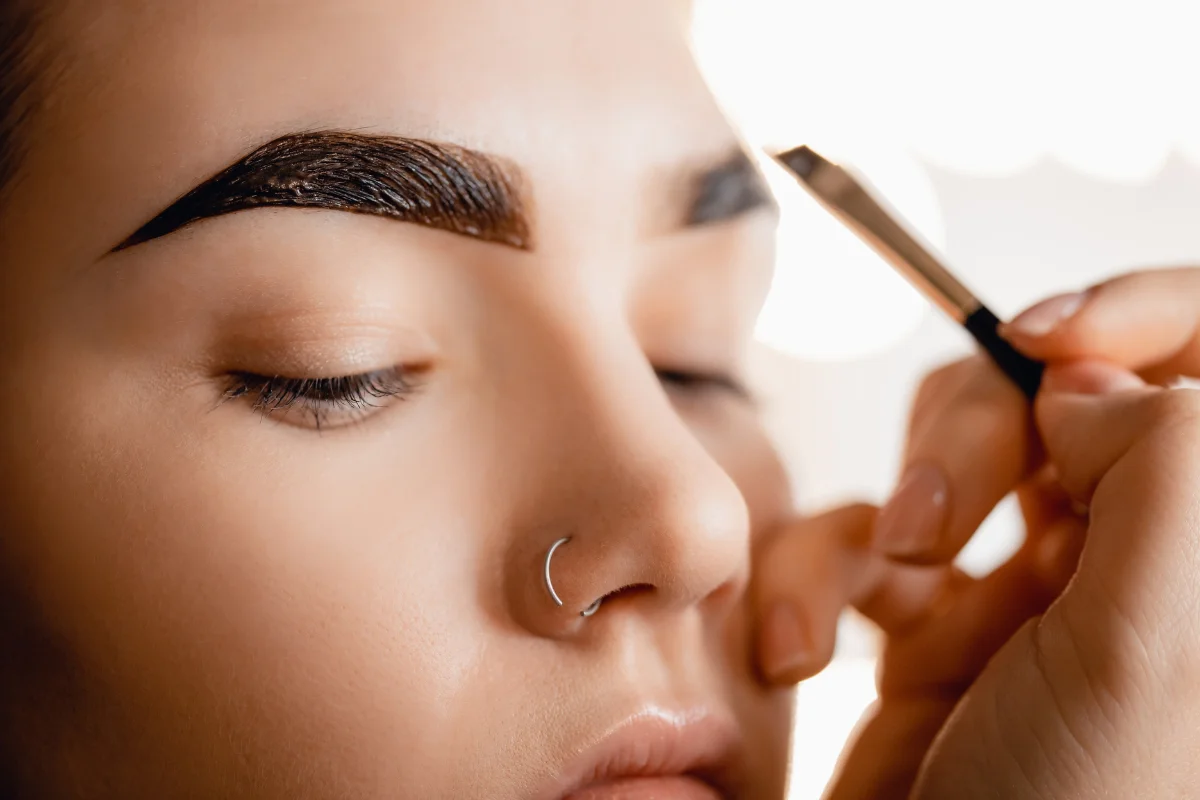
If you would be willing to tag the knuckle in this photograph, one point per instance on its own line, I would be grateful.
(944, 382)
(858, 512)
(988, 385)
(979, 415)
(850, 523)
(858, 521)
(976, 422)
(1176, 411)
(944, 373)
(1117, 283)
(929, 387)
(1133, 281)
(1144, 282)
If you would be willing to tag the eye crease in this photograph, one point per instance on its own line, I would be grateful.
(695, 381)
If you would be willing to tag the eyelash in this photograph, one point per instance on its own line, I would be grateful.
(318, 399)
(699, 382)
(356, 395)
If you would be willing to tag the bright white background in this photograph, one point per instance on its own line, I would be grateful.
(1042, 145)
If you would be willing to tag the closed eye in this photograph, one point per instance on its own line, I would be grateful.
(321, 403)
(695, 381)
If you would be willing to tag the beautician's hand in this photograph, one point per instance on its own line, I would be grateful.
(1099, 697)
(943, 627)
(1146, 322)
(971, 438)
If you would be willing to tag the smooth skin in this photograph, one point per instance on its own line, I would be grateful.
(200, 601)
(203, 601)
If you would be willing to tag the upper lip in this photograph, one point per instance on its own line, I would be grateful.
(654, 743)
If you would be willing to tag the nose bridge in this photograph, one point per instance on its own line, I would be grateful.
(644, 503)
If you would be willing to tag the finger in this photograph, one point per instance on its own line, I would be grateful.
(1135, 452)
(808, 572)
(1142, 321)
(1090, 413)
(1044, 502)
(899, 597)
(972, 442)
(804, 576)
(1054, 555)
(980, 615)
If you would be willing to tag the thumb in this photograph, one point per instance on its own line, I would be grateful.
(1133, 452)
(1089, 413)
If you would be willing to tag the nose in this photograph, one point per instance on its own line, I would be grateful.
(651, 520)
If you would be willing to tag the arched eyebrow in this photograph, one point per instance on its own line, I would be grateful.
(434, 184)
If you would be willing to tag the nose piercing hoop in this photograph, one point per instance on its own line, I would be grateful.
(549, 583)
(587, 612)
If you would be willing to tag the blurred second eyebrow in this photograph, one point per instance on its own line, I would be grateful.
(728, 189)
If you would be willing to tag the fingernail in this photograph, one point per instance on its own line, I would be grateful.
(1047, 315)
(1090, 378)
(786, 646)
(911, 523)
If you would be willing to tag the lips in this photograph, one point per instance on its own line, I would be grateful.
(669, 788)
(656, 754)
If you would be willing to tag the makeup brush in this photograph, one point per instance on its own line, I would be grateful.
(850, 202)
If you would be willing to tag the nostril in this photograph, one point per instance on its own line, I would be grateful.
(625, 591)
(631, 590)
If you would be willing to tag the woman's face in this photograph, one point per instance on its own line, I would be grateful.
(279, 485)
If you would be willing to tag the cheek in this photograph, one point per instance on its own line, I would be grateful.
(193, 577)
(740, 444)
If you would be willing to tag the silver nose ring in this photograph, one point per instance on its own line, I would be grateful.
(587, 612)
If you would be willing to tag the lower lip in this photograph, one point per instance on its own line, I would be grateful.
(676, 787)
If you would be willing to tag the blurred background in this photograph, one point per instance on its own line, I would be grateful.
(1041, 145)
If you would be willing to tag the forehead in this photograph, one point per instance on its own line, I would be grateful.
(589, 97)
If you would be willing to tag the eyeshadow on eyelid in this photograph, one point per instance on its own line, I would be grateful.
(312, 350)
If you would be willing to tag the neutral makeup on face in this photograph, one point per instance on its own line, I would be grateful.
(323, 323)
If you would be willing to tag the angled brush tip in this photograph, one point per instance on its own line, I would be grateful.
(803, 160)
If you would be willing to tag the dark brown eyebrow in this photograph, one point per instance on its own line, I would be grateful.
(729, 189)
(433, 184)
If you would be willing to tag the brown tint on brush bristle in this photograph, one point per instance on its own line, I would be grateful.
(800, 160)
